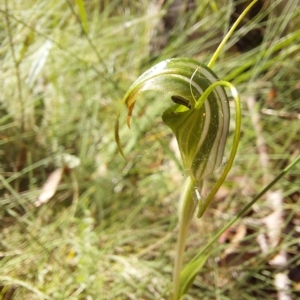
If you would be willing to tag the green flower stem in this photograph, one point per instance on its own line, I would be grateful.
(246, 208)
(186, 210)
(229, 34)
(203, 204)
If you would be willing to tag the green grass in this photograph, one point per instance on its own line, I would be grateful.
(109, 231)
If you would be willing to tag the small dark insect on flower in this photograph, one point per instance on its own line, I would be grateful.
(181, 100)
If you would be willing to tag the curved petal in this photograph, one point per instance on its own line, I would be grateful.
(178, 76)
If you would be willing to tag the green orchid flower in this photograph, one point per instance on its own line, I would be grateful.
(199, 116)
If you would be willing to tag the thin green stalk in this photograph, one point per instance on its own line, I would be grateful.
(16, 63)
(229, 34)
(186, 210)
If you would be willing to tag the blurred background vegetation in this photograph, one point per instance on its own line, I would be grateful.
(109, 231)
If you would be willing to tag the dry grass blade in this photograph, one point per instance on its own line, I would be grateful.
(50, 186)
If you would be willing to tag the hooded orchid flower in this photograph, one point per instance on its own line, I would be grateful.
(199, 116)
